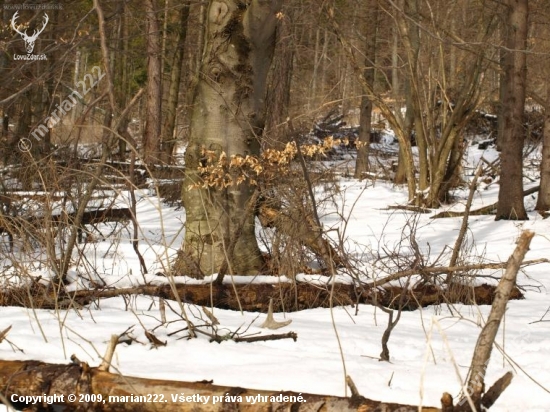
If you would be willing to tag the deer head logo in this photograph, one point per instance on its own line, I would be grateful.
(29, 40)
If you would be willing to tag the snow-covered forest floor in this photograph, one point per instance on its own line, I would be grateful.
(427, 346)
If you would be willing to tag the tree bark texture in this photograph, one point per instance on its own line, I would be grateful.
(122, 86)
(151, 136)
(365, 115)
(287, 297)
(168, 137)
(510, 198)
(278, 94)
(228, 117)
(543, 200)
(32, 378)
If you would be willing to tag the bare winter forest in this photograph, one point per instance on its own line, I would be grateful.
(260, 205)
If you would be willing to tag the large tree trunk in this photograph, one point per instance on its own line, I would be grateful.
(510, 196)
(543, 201)
(151, 144)
(228, 117)
(278, 95)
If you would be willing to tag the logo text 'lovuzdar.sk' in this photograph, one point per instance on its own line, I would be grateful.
(29, 40)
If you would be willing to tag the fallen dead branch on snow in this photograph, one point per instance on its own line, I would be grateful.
(475, 388)
(443, 270)
(485, 210)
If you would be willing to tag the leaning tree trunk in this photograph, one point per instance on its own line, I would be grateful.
(510, 195)
(228, 117)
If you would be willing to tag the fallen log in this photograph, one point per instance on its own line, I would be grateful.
(17, 226)
(103, 391)
(485, 210)
(410, 208)
(287, 297)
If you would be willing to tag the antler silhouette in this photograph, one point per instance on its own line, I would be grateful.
(29, 40)
(14, 17)
(37, 32)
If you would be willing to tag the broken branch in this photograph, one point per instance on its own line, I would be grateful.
(486, 339)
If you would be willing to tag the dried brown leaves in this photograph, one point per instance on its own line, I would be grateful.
(219, 171)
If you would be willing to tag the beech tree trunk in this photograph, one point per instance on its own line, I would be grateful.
(228, 117)
(510, 195)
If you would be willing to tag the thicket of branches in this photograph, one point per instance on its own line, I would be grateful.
(431, 71)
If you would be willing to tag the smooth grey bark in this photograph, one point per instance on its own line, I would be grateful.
(228, 116)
